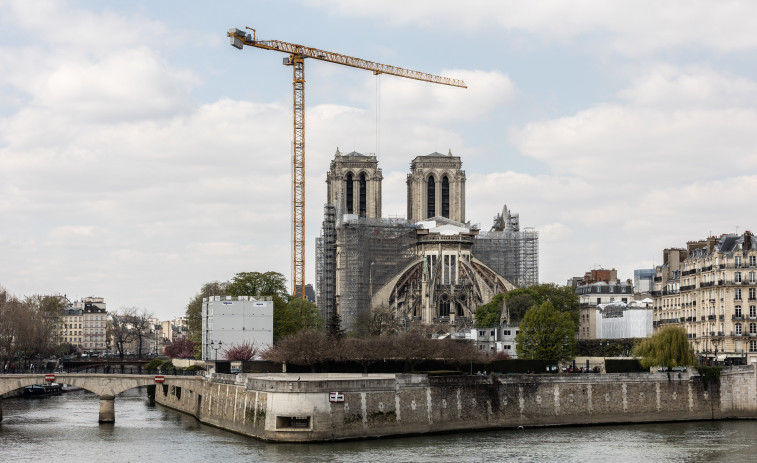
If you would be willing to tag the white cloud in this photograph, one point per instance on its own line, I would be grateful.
(652, 137)
(629, 27)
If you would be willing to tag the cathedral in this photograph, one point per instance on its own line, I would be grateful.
(432, 267)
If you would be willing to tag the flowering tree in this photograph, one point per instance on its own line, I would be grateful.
(181, 348)
(244, 351)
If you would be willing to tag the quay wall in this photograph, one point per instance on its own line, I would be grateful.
(297, 407)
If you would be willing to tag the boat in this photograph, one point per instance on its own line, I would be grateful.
(42, 390)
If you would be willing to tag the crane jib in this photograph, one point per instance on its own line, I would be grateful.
(296, 59)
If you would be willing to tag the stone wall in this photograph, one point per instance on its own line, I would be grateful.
(296, 408)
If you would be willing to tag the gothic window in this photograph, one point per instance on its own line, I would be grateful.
(348, 193)
(431, 198)
(444, 306)
(460, 312)
(362, 195)
(445, 196)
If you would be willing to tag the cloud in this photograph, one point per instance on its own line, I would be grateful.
(651, 136)
(627, 27)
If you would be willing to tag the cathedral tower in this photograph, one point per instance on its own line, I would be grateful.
(354, 184)
(436, 188)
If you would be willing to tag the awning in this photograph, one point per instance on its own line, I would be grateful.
(721, 357)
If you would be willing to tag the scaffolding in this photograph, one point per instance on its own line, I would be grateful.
(512, 254)
(325, 264)
(372, 251)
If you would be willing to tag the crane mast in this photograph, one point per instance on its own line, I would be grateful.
(296, 59)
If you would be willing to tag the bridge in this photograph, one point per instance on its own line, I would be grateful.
(105, 386)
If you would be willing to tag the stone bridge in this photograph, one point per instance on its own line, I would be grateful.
(105, 386)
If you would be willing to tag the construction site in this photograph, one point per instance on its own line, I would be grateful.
(432, 271)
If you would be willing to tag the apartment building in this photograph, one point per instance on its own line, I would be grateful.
(710, 288)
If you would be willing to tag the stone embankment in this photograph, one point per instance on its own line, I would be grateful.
(324, 407)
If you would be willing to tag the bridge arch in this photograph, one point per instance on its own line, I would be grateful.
(105, 386)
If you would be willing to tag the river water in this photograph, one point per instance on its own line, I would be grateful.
(65, 429)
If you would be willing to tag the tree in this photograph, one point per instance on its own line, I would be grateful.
(181, 348)
(668, 348)
(306, 312)
(194, 312)
(119, 329)
(307, 347)
(489, 314)
(334, 326)
(259, 284)
(141, 327)
(562, 298)
(376, 322)
(244, 351)
(546, 334)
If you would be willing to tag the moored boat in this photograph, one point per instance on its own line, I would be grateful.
(42, 390)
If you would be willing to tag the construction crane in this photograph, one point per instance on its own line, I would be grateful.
(296, 59)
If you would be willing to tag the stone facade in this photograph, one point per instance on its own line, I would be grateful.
(354, 183)
(710, 288)
(436, 188)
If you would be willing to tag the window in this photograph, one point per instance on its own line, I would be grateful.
(737, 261)
(507, 332)
(737, 294)
(738, 328)
(737, 277)
(753, 328)
(445, 196)
(752, 293)
(752, 278)
(363, 184)
(349, 194)
(752, 346)
(752, 311)
(753, 261)
(737, 311)
(431, 198)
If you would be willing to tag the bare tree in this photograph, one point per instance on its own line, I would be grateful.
(119, 329)
(141, 327)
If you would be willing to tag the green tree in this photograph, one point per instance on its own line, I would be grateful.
(562, 298)
(291, 317)
(194, 312)
(489, 314)
(259, 284)
(668, 348)
(334, 326)
(546, 334)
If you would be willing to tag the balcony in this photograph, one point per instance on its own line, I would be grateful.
(710, 317)
(720, 333)
(736, 335)
(737, 318)
(721, 318)
(691, 319)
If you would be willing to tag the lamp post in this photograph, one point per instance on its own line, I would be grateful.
(215, 348)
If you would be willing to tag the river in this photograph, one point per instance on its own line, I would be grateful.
(65, 429)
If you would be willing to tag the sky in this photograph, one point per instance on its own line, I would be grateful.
(142, 156)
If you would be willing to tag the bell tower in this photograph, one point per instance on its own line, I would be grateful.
(436, 188)
(354, 184)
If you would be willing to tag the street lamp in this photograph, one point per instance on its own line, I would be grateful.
(215, 348)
